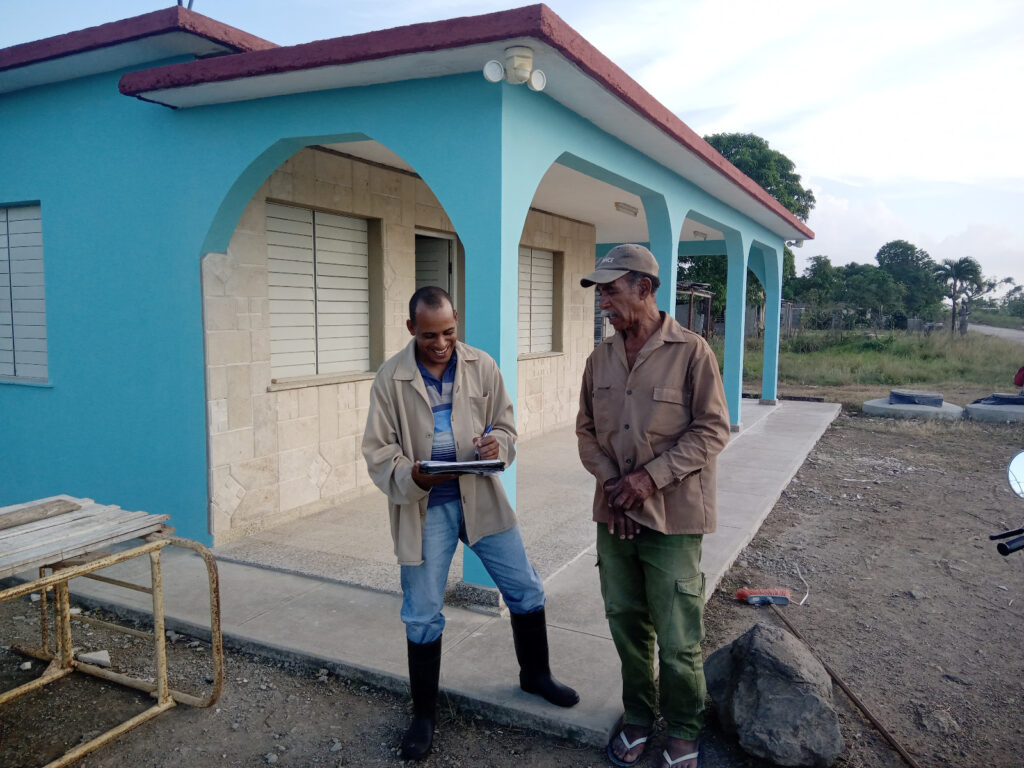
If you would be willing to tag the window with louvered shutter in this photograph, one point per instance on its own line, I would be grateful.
(319, 290)
(536, 300)
(23, 352)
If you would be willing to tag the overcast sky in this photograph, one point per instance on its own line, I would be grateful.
(903, 116)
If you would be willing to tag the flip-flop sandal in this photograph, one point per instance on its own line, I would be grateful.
(683, 758)
(630, 746)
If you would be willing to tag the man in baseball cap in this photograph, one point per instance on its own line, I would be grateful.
(652, 419)
(620, 260)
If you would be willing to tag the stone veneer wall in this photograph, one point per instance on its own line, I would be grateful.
(282, 451)
(549, 384)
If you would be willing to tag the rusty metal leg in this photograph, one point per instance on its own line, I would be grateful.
(63, 620)
(44, 619)
(159, 637)
(216, 636)
(82, 750)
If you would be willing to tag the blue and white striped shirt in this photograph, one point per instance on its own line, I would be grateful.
(439, 394)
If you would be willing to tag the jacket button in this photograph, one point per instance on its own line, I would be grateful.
(627, 426)
(629, 461)
(629, 391)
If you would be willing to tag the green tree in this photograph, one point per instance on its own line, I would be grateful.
(960, 279)
(1013, 301)
(819, 283)
(775, 172)
(914, 270)
(869, 289)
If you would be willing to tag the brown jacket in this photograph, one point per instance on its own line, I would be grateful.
(400, 431)
(668, 415)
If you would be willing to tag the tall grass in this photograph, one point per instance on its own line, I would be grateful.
(816, 358)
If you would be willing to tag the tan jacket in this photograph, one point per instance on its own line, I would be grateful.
(400, 431)
(668, 415)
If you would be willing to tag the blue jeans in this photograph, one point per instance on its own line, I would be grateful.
(423, 585)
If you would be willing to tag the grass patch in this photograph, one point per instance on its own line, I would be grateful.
(861, 366)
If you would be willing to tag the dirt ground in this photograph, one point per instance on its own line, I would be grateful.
(908, 601)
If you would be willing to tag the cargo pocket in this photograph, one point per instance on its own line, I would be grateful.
(688, 622)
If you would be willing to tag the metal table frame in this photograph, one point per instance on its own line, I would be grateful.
(61, 662)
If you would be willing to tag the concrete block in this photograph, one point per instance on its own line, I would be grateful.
(216, 382)
(228, 347)
(231, 447)
(332, 168)
(295, 464)
(996, 413)
(256, 473)
(297, 493)
(298, 433)
(340, 452)
(217, 415)
(287, 404)
(309, 399)
(281, 185)
(226, 491)
(882, 407)
(219, 313)
(327, 410)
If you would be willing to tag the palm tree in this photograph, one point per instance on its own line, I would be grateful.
(959, 278)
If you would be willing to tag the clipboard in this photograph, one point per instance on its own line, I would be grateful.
(481, 467)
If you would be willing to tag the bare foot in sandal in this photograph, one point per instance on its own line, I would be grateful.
(680, 753)
(628, 745)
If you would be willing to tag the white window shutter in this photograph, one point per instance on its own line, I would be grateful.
(23, 350)
(291, 291)
(542, 300)
(319, 282)
(342, 294)
(536, 300)
(524, 300)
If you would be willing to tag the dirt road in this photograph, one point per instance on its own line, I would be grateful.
(909, 602)
(1004, 333)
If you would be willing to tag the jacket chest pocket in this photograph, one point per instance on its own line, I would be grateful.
(670, 412)
(479, 412)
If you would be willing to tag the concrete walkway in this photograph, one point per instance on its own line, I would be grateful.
(354, 630)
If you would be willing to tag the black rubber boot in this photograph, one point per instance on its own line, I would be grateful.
(530, 632)
(424, 671)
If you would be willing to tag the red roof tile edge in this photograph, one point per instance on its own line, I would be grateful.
(174, 19)
(535, 21)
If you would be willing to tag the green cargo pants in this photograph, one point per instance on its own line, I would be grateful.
(653, 588)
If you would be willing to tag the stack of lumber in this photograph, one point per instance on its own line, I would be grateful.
(50, 530)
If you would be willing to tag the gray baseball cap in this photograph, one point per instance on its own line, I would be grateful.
(621, 259)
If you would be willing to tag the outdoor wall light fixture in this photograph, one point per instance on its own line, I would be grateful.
(794, 243)
(632, 210)
(518, 68)
(698, 234)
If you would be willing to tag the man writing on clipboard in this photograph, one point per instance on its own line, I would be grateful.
(436, 399)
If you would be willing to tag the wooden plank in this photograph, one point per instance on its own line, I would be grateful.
(36, 512)
(72, 525)
(42, 527)
(49, 554)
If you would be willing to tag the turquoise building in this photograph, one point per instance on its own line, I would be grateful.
(207, 243)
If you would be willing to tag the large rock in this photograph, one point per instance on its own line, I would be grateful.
(772, 693)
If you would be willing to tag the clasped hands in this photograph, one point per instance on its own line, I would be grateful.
(486, 449)
(625, 493)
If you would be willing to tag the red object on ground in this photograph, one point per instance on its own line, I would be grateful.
(1019, 378)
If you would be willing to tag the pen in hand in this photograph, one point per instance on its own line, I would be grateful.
(485, 434)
